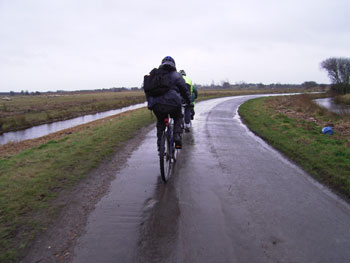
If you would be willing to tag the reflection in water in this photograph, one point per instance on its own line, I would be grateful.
(329, 104)
(45, 129)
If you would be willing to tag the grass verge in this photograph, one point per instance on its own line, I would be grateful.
(31, 178)
(293, 124)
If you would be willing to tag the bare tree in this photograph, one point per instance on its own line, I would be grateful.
(344, 70)
(338, 70)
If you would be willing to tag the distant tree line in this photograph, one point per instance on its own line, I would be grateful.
(224, 85)
(255, 86)
(22, 93)
(338, 70)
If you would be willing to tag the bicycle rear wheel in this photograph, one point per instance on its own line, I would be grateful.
(165, 158)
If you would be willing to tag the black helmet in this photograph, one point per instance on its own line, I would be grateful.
(168, 61)
(182, 72)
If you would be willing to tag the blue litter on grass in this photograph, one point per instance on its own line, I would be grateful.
(327, 130)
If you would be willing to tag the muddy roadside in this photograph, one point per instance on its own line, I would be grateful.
(57, 243)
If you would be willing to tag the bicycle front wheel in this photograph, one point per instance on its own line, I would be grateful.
(165, 158)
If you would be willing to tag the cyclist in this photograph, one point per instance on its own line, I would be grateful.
(170, 102)
(189, 110)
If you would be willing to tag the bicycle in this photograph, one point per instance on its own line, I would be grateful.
(167, 151)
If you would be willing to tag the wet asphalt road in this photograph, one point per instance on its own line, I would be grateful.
(231, 198)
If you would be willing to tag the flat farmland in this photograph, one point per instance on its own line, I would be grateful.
(24, 111)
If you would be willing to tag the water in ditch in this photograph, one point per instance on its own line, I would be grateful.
(45, 129)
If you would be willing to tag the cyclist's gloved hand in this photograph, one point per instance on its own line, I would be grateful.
(191, 105)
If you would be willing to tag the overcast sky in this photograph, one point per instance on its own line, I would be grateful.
(48, 45)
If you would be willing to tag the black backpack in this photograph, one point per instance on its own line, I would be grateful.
(157, 83)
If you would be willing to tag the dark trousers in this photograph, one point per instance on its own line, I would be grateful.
(188, 114)
(161, 112)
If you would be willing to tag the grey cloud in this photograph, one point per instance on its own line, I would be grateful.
(100, 44)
